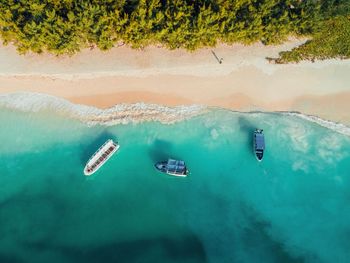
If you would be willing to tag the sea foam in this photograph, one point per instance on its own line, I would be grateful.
(131, 113)
(118, 114)
(335, 126)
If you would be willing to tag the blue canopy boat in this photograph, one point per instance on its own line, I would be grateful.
(172, 167)
(259, 144)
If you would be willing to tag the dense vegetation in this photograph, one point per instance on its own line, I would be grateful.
(331, 41)
(66, 26)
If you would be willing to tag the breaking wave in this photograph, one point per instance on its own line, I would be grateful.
(335, 126)
(130, 113)
(118, 114)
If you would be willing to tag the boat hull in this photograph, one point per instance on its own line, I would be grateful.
(259, 156)
(91, 167)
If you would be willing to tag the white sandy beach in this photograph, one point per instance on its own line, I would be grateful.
(244, 81)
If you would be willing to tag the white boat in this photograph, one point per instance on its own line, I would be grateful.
(100, 157)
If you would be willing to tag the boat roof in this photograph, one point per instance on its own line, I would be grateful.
(176, 166)
(259, 141)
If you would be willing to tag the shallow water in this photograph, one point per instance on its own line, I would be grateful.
(292, 207)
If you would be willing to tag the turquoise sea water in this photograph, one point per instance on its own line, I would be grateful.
(292, 207)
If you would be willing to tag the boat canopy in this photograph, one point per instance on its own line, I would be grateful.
(176, 166)
(260, 142)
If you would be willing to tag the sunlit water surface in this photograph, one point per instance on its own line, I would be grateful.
(292, 207)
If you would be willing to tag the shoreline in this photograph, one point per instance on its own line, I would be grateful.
(135, 113)
(245, 81)
(247, 89)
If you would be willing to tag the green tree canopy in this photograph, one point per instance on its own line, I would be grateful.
(66, 26)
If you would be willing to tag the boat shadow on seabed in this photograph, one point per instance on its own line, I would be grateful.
(160, 150)
(248, 129)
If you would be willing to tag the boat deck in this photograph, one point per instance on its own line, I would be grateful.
(100, 157)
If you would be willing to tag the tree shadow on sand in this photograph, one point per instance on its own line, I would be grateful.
(90, 149)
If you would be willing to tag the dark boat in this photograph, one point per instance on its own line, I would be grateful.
(172, 167)
(259, 144)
